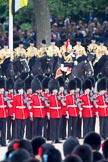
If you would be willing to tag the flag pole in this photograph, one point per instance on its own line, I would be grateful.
(10, 27)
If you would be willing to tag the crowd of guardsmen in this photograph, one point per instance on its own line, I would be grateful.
(48, 108)
(64, 51)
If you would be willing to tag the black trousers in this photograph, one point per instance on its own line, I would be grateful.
(63, 127)
(29, 129)
(94, 123)
(19, 128)
(103, 126)
(3, 131)
(10, 128)
(78, 127)
(46, 128)
(55, 128)
(72, 124)
(38, 124)
(87, 125)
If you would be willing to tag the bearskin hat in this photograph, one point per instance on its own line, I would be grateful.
(53, 155)
(20, 155)
(9, 84)
(36, 85)
(72, 85)
(2, 82)
(97, 156)
(87, 84)
(69, 145)
(28, 82)
(19, 84)
(45, 82)
(93, 139)
(102, 84)
(53, 84)
(78, 82)
(92, 79)
(61, 81)
(36, 143)
(72, 158)
(84, 152)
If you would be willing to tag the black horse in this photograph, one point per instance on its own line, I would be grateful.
(21, 68)
(35, 66)
(101, 67)
(83, 69)
(47, 65)
(15, 69)
(7, 68)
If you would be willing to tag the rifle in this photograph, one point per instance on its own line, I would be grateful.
(106, 98)
(6, 99)
(93, 98)
(78, 102)
(62, 99)
(26, 101)
(45, 100)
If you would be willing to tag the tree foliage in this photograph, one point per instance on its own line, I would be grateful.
(76, 9)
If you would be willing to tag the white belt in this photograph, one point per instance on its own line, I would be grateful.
(105, 106)
(20, 107)
(37, 107)
(72, 106)
(2, 106)
(55, 107)
(88, 106)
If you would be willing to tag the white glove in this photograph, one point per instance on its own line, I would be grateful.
(75, 62)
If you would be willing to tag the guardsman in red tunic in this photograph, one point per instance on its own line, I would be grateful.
(10, 121)
(62, 94)
(78, 102)
(45, 82)
(3, 113)
(93, 98)
(28, 95)
(87, 107)
(72, 109)
(20, 110)
(55, 110)
(38, 107)
(102, 107)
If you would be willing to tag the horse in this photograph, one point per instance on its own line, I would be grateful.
(83, 69)
(47, 65)
(35, 66)
(21, 68)
(101, 67)
(7, 68)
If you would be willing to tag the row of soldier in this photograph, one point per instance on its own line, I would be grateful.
(64, 51)
(43, 108)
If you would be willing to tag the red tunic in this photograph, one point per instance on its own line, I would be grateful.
(29, 97)
(10, 109)
(71, 106)
(3, 107)
(19, 108)
(46, 95)
(87, 107)
(64, 108)
(102, 106)
(55, 107)
(38, 107)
